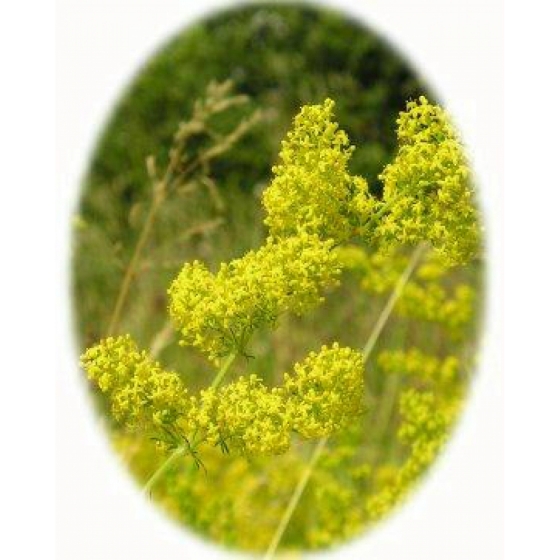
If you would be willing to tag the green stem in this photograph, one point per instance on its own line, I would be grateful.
(132, 265)
(163, 468)
(182, 449)
(383, 211)
(294, 500)
(387, 404)
(320, 446)
(223, 370)
(160, 191)
(393, 298)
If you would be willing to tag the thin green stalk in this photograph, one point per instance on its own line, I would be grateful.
(163, 468)
(393, 298)
(182, 449)
(160, 191)
(161, 188)
(320, 446)
(132, 265)
(162, 339)
(223, 370)
(387, 404)
(294, 500)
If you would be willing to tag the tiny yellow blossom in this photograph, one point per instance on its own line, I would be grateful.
(428, 296)
(414, 363)
(218, 313)
(244, 415)
(326, 390)
(428, 192)
(321, 396)
(143, 395)
(312, 188)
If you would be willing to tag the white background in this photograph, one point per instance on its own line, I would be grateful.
(457, 45)
(457, 515)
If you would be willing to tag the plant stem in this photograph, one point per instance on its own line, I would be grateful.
(393, 298)
(223, 370)
(182, 449)
(131, 268)
(217, 99)
(161, 339)
(368, 349)
(163, 467)
(294, 500)
(386, 405)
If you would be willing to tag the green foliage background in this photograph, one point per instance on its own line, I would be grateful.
(281, 56)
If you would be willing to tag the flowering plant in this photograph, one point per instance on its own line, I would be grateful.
(323, 224)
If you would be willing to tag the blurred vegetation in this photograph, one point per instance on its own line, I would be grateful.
(281, 57)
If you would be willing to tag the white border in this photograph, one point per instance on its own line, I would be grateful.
(457, 515)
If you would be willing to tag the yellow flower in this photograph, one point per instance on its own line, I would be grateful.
(413, 363)
(428, 192)
(326, 390)
(143, 395)
(312, 188)
(425, 424)
(321, 396)
(218, 313)
(244, 415)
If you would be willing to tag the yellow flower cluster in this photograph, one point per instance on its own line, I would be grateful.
(312, 187)
(452, 309)
(312, 206)
(240, 503)
(379, 271)
(143, 396)
(417, 364)
(218, 313)
(322, 395)
(427, 188)
(424, 429)
(427, 194)
(245, 415)
(422, 421)
(428, 296)
(326, 390)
